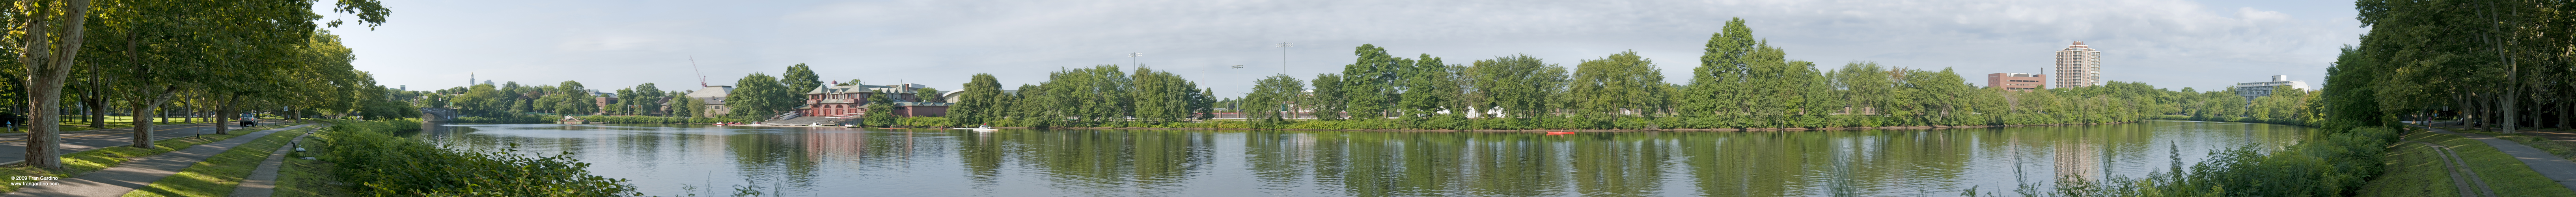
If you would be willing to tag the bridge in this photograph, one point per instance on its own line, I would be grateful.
(439, 114)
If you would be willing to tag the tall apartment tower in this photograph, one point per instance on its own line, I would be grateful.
(2078, 66)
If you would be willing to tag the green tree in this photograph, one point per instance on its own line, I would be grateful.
(1327, 103)
(1269, 97)
(1429, 87)
(880, 110)
(1371, 86)
(1520, 85)
(1617, 86)
(759, 96)
(1622, 84)
(801, 78)
(981, 103)
(1159, 97)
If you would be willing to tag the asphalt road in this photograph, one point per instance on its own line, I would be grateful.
(14, 148)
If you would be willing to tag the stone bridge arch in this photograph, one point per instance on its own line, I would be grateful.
(438, 114)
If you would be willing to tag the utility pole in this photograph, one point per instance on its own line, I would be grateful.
(1131, 59)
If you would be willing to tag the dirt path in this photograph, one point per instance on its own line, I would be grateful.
(2467, 180)
(2551, 166)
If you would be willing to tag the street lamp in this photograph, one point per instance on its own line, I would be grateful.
(1238, 78)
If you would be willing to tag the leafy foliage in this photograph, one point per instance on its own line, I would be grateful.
(369, 156)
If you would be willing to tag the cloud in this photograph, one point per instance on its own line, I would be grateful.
(2170, 43)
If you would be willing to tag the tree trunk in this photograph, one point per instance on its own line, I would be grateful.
(148, 100)
(224, 115)
(47, 65)
(2567, 113)
(2512, 115)
(97, 106)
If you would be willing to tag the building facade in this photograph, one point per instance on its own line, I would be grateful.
(2251, 90)
(2078, 65)
(713, 97)
(851, 99)
(2016, 81)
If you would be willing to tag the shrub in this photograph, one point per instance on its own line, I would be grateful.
(2340, 162)
(380, 164)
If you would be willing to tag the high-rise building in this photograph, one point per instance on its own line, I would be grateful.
(2016, 81)
(2078, 66)
(2251, 90)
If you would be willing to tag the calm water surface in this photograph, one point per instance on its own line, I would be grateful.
(667, 159)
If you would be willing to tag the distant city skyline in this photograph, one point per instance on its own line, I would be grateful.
(2168, 43)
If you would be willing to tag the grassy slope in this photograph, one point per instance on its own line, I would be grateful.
(308, 178)
(93, 160)
(218, 175)
(2507, 175)
(2412, 170)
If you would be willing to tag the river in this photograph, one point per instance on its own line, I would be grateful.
(670, 160)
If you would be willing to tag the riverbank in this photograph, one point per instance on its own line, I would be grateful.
(1016, 162)
(1559, 124)
(365, 157)
(1572, 130)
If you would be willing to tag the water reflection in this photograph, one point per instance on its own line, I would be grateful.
(842, 162)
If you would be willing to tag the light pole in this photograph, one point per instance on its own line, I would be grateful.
(1238, 85)
(1131, 59)
(1283, 57)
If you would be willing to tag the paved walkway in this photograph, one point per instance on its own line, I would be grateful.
(77, 141)
(263, 182)
(140, 172)
(2557, 169)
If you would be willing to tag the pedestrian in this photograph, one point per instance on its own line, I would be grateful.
(10, 120)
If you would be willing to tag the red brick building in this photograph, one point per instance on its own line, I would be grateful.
(2016, 81)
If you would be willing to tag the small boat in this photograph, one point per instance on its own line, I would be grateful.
(1559, 133)
(571, 120)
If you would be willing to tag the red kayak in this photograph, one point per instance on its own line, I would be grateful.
(1558, 133)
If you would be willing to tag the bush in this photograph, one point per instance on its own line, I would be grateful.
(368, 156)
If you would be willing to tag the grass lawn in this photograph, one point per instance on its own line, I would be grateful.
(2412, 170)
(84, 162)
(2564, 149)
(2506, 174)
(219, 175)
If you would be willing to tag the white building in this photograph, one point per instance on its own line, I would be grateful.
(714, 97)
(2250, 90)
(2078, 66)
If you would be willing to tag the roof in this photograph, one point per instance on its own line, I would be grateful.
(856, 87)
(713, 95)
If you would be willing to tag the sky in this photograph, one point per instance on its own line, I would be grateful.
(608, 45)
